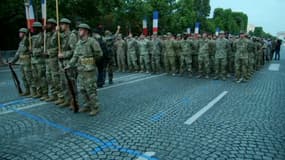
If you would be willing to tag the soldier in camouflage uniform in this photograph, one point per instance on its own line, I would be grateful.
(23, 55)
(120, 48)
(186, 56)
(110, 59)
(39, 84)
(68, 42)
(144, 48)
(222, 48)
(156, 49)
(251, 58)
(170, 53)
(241, 58)
(52, 67)
(132, 50)
(203, 57)
(212, 45)
(86, 52)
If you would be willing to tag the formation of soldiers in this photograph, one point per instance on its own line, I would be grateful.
(204, 56)
(86, 57)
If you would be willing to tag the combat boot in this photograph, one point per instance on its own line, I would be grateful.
(216, 78)
(65, 104)
(85, 109)
(59, 101)
(51, 99)
(223, 78)
(37, 96)
(94, 112)
(240, 80)
(26, 93)
(44, 98)
(199, 76)
(207, 77)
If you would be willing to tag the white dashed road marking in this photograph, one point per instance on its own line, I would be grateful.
(150, 154)
(274, 67)
(205, 109)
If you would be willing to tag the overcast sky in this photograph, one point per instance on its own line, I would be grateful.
(266, 13)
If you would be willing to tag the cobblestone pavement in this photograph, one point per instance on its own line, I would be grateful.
(143, 117)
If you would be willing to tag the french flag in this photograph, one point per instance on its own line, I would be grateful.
(197, 27)
(44, 11)
(155, 22)
(217, 31)
(145, 31)
(30, 16)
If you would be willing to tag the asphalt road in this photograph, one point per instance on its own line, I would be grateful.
(151, 117)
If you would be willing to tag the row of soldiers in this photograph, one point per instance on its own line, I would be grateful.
(207, 55)
(47, 62)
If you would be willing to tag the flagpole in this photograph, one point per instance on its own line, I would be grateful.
(27, 5)
(58, 31)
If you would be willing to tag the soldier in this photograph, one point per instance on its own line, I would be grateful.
(52, 67)
(251, 58)
(156, 50)
(23, 54)
(186, 56)
(120, 48)
(212, 45)
(39, 83)
(222, 48)
(86, 52)
(132, 50)
(144, 48)
(230, 57)
(169, 62)
(68, 42)
(241, 58)
(109, 58)
(203, 57)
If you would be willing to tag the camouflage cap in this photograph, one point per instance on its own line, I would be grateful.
(23, 30)
(51, 20)
(37, 24)
(65, 20)
(107, 32)
(84, 26)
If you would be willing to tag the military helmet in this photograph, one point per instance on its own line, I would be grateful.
(37, 24)
(51, 20)
(107, 32)
(23, 30)
(84, 26)
(65, 20)
(169, 34)
(222, 32)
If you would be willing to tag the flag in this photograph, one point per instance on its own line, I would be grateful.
(155, 22)
(30, 16)
(145, 31)
(197, 27)
(189, 30)
(217, 31)
(44, 11)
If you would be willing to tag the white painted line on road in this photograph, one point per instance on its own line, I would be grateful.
(205, 109)
(7, 70)
(133, 77)
(25, 107)
(274, 67)
(150, 154)
(130, 82)
(123, 77)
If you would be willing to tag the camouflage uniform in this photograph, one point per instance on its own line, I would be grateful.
(170, 55)
(251, 57)
(110, 59)
(156, 49)
(85, 55)
(24, 57)
(52, 66)
(222, 48)
(144, 47)
(68, 42)
(132, 54)
(241, 59)
(186, 56)
(203, 58)
(39, 83)
(120, 47)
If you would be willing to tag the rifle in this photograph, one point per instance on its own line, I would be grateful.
(74, 103)
(16, 80)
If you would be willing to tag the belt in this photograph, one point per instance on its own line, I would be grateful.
(24, 57)
(87, 61)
